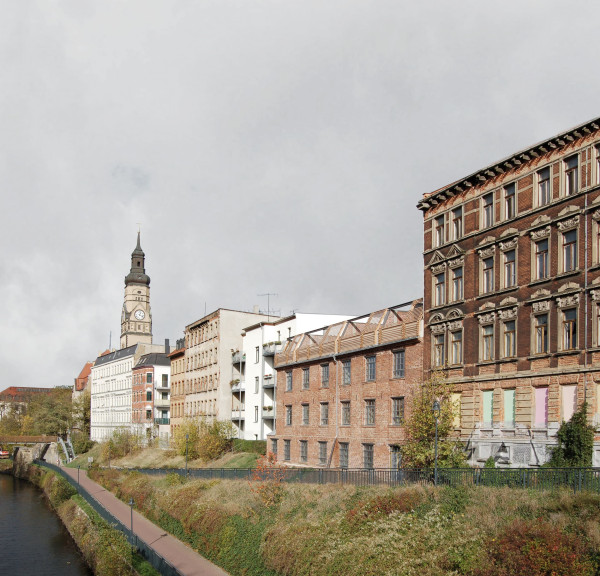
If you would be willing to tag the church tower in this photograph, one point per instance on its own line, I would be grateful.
(136, 319)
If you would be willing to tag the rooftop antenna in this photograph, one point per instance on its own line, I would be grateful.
(268, 295)
(139, 225)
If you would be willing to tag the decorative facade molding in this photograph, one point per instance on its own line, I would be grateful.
(487, 252)
(455, 250)
(509, 232)
(596, 215)
(455, 325)
(595, 295)
(510, 300)
(541, 293)
(438, 328)
(487, 306)
(541, 233)
(454, 313)
(487, 240)
(457, 262)
(438, 268)
(437, 257)
(569, 287)
(568, 301)
(543, 219)
(436, 318)
(509, 244)
(569, 210)
(487, 318)
(541, 306)
(568, 224)
(508, 313)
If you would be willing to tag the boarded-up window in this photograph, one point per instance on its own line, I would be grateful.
(509, 408)
(569, 401)
(488, 407)
(541, 407)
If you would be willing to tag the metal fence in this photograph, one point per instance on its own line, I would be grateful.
(576, 479)
(156, 560)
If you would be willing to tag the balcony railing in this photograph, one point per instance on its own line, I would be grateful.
(269, 381)
(237, 415)
(268, 412)
(160, 421)
(271, 348)
(238, 386)
(238, 358)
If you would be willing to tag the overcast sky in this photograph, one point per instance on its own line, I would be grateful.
(264, 146)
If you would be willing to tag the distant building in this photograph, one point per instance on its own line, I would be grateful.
(512, 295)
(16, 398)
(253, 378)
(82, 382)
(344, 391)
(177, 358)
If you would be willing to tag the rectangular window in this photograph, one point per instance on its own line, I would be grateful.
(510, 201)
(303, 451)
(510, 339)
(488, 210)
(399, 364)
(457, 284)
(370, 368)
(510, 273)
(568, 401)
(455, 399)
(440, 289)
(570, 329)
(305, 414)
(288, 381)
(439, 230)
(325, 375)
(274, 447)
(346, 373)
(305, 378)
(457, 223)
(456, 342)
(288, 415)
(368, 456)
(256, 384)
(398, 411)
(438, 350)
(256, 413)
(508, 401)
(369, 412)
(322, 453)
(149, 395)
(488, 408)
(257, 355)
(324, 413)
(395, 457)
(286, 449)
(541, 407)
(488, 274)
(165, 380)
(487, 341)
(343, 454)
(571, 176)
(541, 333)
(345, 413)
(570, 251)
(541, 260)
(149, 378)
(543, 195)
(148, 414)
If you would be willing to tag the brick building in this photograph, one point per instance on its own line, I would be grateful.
(512, 295)
(343, 391)
(177, 358)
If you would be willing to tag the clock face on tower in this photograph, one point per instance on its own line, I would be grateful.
(139, 314)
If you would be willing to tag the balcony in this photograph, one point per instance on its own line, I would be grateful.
(269, 381)
(237, 386)
(162, 402)
(268, 412)
(162, 421)
(271, 348)
(238, 358)
(237, 415)
(163, 385)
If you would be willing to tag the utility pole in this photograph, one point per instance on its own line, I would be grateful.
(268, 295)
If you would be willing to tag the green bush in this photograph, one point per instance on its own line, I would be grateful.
(252, 446)
(59, 490)
(81, 443)
(575, 442)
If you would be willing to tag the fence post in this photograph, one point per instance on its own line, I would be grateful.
(320, 476)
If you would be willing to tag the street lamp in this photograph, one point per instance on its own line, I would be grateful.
(78, 467)
(436, 409)
(131, 529)
(187, 437)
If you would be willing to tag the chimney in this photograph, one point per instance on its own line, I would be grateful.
(167, 347)
(256, 309)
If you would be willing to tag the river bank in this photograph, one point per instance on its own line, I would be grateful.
(275, 529)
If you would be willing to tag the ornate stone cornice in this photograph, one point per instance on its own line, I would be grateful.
(541, 306)
(455, 325)
(508, 313)
(508, 244)
(595, 295)
(541, 233)
(438, 268)
(456, 262)
(568, 224)
(567, 301)
(487, 318)
(454, 313)
(438, 328)
(596, 215)
(487, 252)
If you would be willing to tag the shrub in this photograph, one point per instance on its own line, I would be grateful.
(536, 548)
(253, 446)
(81, 443)
(575, 442)
(266, 480)
(121, 443)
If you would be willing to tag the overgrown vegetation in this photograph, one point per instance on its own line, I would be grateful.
(338, 530)
(575, 442)
(121, 443)
(419, 451)
(202, 438)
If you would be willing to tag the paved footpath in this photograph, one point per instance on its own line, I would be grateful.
(187, 561)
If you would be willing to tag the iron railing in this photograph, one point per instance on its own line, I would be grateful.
(156, 560)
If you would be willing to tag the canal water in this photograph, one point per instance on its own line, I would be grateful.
(33, 540)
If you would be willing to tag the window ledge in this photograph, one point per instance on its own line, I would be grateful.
(486, 362)
(539, 281)
(540, 356)
(568, 352)
(567, 274)
(508, 289)
(507, 359)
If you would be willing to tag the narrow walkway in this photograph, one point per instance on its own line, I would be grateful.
(182, 557)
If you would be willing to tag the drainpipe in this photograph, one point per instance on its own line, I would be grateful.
(337, 408)
(261, 425)
(585, 296)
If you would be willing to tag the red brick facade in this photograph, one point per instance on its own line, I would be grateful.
(347, 390)
(519, 339)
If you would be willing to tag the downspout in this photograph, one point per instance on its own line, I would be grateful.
(585, 296)
(261, 390)
(337, 408)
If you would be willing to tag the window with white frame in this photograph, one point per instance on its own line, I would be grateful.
(370, 368)
(305, 414)
(457, 283)
(398, 411)
(457, 223)
(509, 268)
(439, 230)
(288, 415)
(456, 346)
(569, 329)
(487, 210)
(440, 288)
(487, 342)
(370, 412)
(541, 260)
(438, 350)
(569, 250)
(399, 356)
(543, 187)
(487, 275)
(325, 375)
(346, 373)
(510, 201)
(509, 339)
(345, 412)
(571, 175)
(540, 333)
(324, 413)
(596, 237)
(305, 378)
